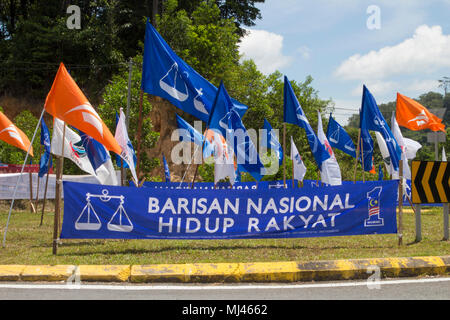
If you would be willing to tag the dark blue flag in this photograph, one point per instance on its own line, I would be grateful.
(165, 75)
(166, 169)
(272, 141)
(366, 149)
(95, 151)
(380, 172)
(339, 138)
(194, 136)
(294, 114)
(44, 164)
(226, 121)
(372, 119)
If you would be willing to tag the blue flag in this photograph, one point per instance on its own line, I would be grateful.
(166, 169)
(226, 121)
(46, 156)
(372, 119)
(95, 151)
(294, 114)
(380, 172)
(194, 136)
(165, 75)
(366, 149)
(272, 141)
(339, 138)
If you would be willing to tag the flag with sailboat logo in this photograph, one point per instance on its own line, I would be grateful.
(166, 75)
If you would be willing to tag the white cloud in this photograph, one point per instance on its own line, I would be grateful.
(265, 49)
(425, 52)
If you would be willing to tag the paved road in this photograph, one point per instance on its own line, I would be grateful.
(435, 288)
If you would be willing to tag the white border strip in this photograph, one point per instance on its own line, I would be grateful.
(137, 287)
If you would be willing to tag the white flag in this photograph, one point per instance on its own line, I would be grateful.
(402, 143)
(412, 147)
(330, 172)
(74, 150)
(223, 160)
(73, 146)
(299, 166)
(106, 174)
(444, 156)
(121, 136)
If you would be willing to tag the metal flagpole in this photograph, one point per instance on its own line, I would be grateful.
(20, 176)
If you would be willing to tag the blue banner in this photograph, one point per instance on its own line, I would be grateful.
(111, 212)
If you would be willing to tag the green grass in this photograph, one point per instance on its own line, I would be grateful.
(27, 243)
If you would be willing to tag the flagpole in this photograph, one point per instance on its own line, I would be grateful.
(284, 158)
(362, 161)
(59, 172)
(203, 146)
(45, 191)
(30, 178)
(37, 184)
(293, 179)
(20, 176)
(357, 155)
(189, 165)
(400, 203)
(141, 99)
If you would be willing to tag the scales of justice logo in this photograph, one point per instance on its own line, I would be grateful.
(174, 85)
(89, 219)
(373, 204)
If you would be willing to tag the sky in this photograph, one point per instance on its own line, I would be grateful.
(390, 46)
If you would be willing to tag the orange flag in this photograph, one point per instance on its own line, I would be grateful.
(67, 102)
(13, 135)
(412, 115)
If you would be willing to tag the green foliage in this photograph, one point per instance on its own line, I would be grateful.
(115, 97)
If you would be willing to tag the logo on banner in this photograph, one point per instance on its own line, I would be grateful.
(373, 199)
(89, 220)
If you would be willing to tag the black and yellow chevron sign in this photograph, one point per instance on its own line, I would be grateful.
(430, 182)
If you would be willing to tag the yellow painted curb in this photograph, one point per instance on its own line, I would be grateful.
(234, 272)
(104, 273)
(11, 272)
(47, 273)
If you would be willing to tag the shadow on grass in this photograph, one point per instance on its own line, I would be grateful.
(175, 248)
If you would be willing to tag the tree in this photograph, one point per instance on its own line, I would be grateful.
(115, 97)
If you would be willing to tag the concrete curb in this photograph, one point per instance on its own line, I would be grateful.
(232, 272)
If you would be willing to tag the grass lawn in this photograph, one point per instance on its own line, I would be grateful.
(27, 243)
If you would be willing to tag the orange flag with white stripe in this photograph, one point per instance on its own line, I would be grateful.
(13, 135)
(67, 102)
(414, 116)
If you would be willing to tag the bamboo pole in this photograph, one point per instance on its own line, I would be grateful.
(284, 158)
(138, 155)
(362, 161)
(38, 181)
(400, 203)
(59, 172)
(45, 191)
(357, 155)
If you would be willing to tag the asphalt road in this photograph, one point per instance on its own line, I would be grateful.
(430, 288)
